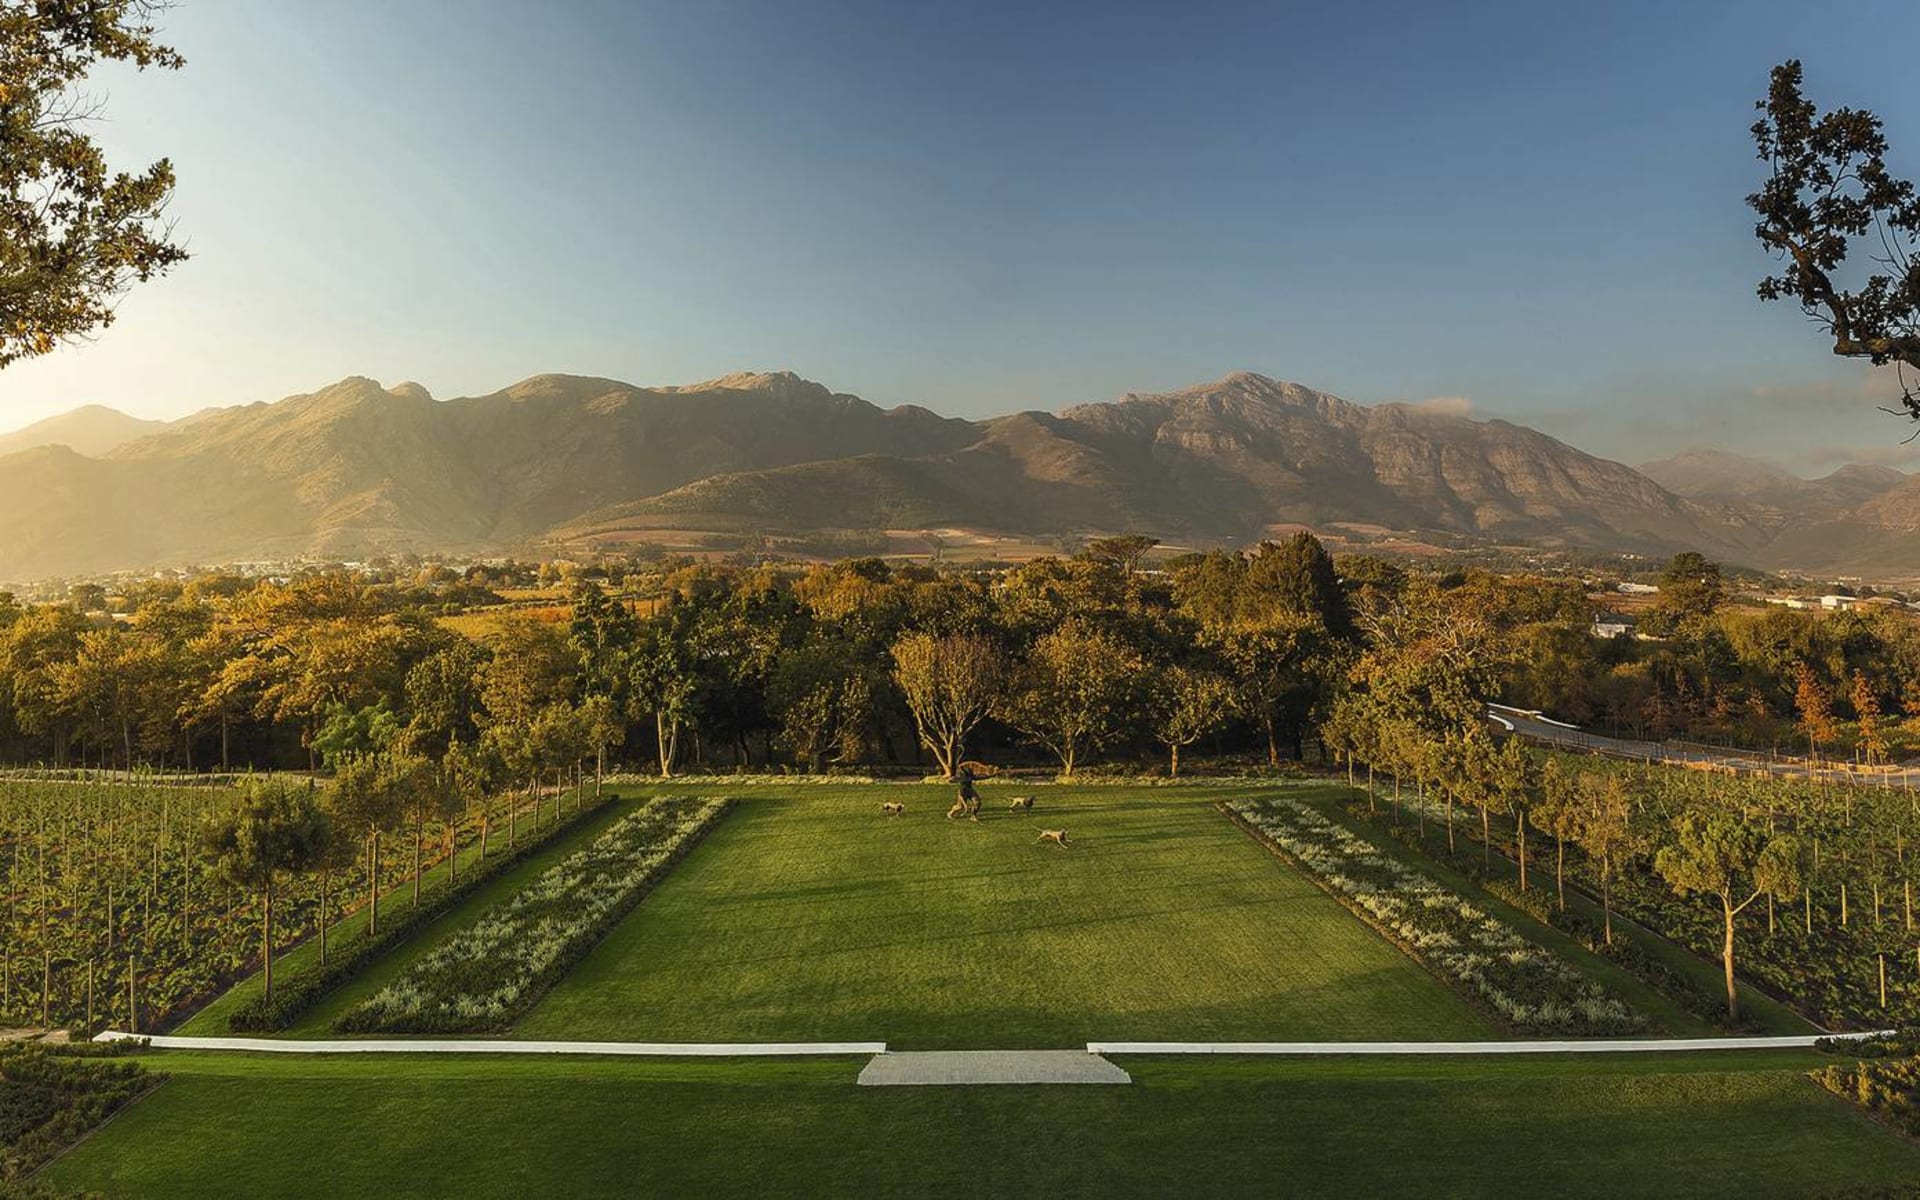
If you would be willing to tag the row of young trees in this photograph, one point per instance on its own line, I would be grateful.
(139, 885)
(1692, 854)
(1704, 852)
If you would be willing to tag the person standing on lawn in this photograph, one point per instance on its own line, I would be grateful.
(969, 801)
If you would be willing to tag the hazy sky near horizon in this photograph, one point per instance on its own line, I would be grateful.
(1530, 210)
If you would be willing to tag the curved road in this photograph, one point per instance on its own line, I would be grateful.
(1536, 727)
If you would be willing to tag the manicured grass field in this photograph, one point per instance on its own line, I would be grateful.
(807, 915)
(1723, 1125)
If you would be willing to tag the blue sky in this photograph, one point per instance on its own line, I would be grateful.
(1532, 209)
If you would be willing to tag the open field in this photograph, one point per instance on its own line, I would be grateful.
(814, 918)
(1709, 1125)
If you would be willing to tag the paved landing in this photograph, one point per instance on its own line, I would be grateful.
(939, 1067)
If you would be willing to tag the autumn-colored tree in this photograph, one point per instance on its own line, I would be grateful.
(1866, 708)
(216, 694)
(1815, 706)
(307, 665)
(950, 682)
(532, 666)
(1074, 691)
(1188, 703)
(98, 687)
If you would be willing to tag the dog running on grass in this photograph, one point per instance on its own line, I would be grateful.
(893, 808)
(1021, 804)
(1057, 836)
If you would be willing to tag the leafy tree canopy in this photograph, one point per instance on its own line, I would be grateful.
(1829, 196)
(1691, 587)
(74, 234)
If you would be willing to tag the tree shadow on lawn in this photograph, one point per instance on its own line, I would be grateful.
(1148, 880)
(1069, 1014)
(940, 927)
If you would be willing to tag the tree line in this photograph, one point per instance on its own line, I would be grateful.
(863, 664)
(859, 663)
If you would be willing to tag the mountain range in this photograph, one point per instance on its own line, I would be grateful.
(563, 463)
(92, 429)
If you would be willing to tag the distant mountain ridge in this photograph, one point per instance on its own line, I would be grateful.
(571, 463)
(1716, 475)
(1226, 461)
(91, 429)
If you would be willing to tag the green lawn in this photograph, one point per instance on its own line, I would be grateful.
(1723, 1125)
(807, 915)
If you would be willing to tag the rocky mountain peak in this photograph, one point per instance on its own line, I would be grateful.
(779, 383)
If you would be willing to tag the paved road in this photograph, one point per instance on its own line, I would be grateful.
(1534, 726)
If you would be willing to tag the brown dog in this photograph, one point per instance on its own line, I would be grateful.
(1021, 804)
(1057, 836)
(893, 808)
